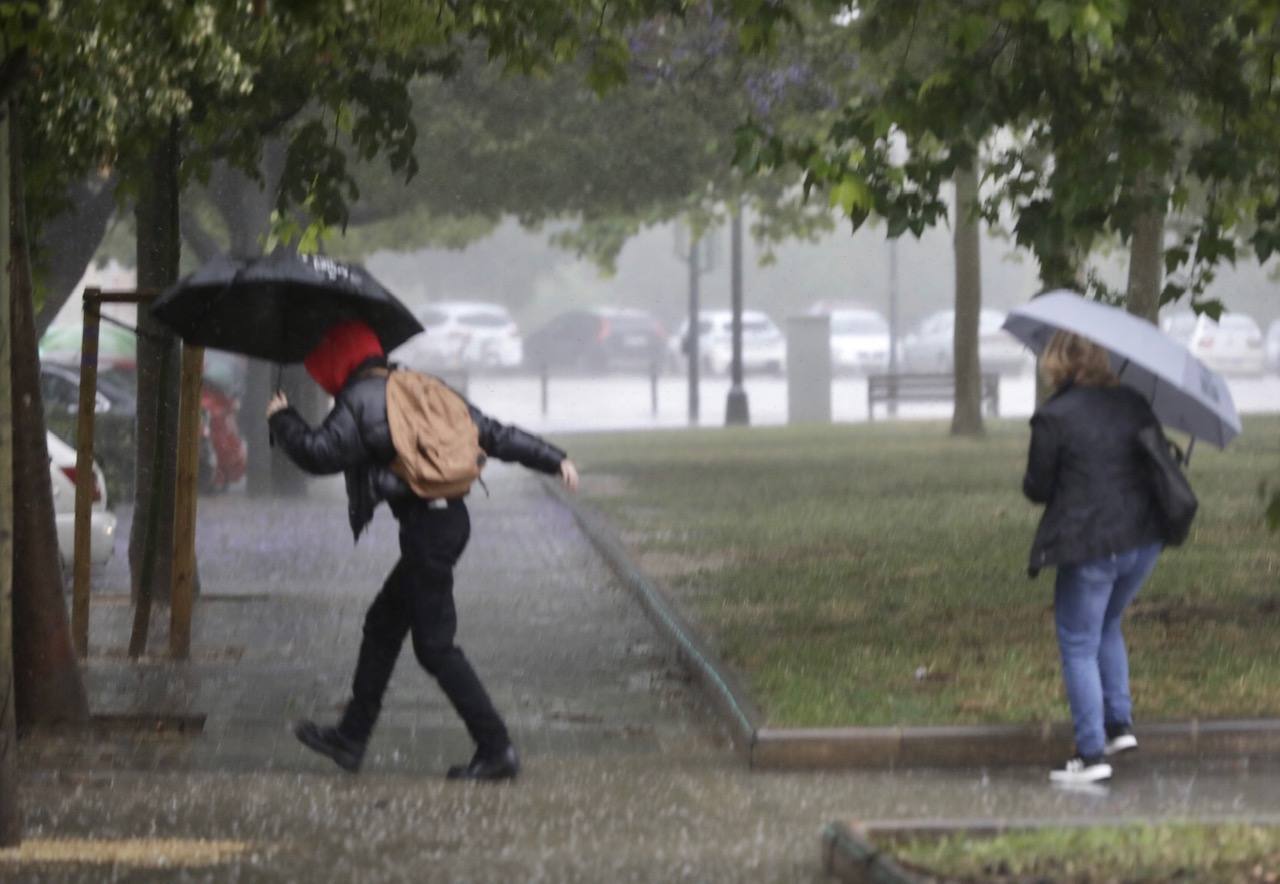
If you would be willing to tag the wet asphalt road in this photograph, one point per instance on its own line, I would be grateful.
(627, 775)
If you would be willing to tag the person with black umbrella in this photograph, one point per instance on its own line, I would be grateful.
(417, 597)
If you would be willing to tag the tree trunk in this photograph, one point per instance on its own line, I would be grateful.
(966, 420)
(1146, 266)
(245, 206)
(1059, 269)
(10, 818)
(49, 689)
(151, 535)
(71, 238)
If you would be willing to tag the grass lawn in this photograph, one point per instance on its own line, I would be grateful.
(1156, 853)
(876, 574)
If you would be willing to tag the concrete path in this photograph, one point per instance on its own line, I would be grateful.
(628, 777)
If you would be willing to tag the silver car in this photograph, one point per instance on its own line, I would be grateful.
(1232, 345)
(1273, 346)
(928, 349)
(763, 346)
(463, 334)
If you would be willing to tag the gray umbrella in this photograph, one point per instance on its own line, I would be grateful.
(1184, 393)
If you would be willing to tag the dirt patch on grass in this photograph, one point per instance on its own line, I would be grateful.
(1178, 613)
(674, 565)
(604, 485)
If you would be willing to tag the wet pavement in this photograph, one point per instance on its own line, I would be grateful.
(628, 776)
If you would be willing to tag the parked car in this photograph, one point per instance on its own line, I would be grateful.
(223, 454)
(1232, 345)
(928, 349)
(763, 346)
(102, 522)
(462, 334)
(117, 347)
(1273, 346)
(115, 410)
(859, 339)
(598, 339)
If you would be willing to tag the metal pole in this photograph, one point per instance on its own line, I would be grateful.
(892, 404)
(184, 533)
(737, 409)
(653, 387)
(542, 383)
(695, 246)
(84, 472)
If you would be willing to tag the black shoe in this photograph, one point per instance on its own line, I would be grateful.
(344, 751)
(1120, 738)
(502, 766)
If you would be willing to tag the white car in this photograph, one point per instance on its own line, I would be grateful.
(859, 341)
(1232, 345)
(1273, 346)
(928, 348)
(763, 346)
(102, 523)
(462, 334)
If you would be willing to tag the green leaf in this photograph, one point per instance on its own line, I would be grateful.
(851, 193)
(1211, 308)
(934, 81)
(309, 241)
(1058, 16)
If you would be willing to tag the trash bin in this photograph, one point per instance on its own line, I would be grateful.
(809, 369)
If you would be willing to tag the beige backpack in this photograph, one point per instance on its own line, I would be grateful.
(437, 444)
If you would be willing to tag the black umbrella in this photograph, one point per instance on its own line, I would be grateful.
(279, 307)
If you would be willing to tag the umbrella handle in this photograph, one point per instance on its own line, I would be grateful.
(271, 437)
(1191, 444)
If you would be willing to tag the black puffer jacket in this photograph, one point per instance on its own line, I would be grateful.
(1084, 464)
(355, 439)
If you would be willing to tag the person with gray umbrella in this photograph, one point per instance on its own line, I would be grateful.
(1102, 531)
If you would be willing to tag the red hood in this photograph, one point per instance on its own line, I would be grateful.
(344, 347)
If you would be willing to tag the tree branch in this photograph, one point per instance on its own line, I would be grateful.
(73, 237)
(202, 242)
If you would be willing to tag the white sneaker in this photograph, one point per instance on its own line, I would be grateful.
(1081, 770)
(1122, 741)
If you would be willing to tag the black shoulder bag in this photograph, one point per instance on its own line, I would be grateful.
(1175, 500)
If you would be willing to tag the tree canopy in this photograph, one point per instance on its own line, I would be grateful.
(1090, 113)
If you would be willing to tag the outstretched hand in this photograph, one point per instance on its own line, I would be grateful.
(279, 402)
(569, 474)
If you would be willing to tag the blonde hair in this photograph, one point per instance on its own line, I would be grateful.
(1069, 357)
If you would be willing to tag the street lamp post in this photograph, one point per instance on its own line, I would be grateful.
(893, 324)
(700, 254)
(737, 410)
(691, 340)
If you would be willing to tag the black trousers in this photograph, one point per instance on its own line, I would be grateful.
(417, 599)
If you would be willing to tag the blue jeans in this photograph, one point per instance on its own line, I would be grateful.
(1088, 602)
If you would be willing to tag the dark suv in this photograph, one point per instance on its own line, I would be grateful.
(597, 340)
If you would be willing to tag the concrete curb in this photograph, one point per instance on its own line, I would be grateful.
(849, 855)
(880, 747)
(726, 694)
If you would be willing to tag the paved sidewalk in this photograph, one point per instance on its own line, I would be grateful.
(570, 663)
(628, 776)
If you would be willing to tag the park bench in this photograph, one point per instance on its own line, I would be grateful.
(892, 389)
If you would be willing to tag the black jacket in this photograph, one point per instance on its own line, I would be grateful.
(1084, 464)
(355, 439)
